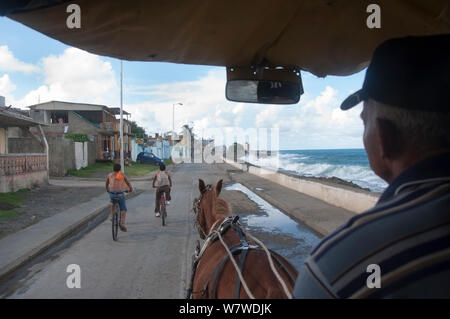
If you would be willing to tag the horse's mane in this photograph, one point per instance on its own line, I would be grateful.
(222, 207)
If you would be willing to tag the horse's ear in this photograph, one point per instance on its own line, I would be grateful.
(219, 187)
(201, 186)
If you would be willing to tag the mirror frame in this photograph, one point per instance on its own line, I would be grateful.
(253, 73)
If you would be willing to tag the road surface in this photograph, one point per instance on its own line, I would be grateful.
(148, 261)
(151, 261)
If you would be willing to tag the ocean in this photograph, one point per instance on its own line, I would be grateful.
(347, 164)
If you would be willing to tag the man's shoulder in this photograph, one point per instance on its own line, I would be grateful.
(392, 236)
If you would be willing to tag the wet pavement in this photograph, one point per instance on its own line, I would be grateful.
(279, 232)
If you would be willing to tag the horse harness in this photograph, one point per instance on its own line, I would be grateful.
(242, 248)
(239, 249)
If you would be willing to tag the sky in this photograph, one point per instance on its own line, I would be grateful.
(35, 68)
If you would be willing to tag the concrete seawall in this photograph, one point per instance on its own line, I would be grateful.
(354, 200)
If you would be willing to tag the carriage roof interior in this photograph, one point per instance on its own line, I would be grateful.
(327, 37)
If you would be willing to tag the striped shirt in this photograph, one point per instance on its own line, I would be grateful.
(406, 235)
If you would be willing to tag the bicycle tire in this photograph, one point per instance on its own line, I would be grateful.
(115, 222)
(163, 211)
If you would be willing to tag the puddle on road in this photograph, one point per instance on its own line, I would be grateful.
(279, 232)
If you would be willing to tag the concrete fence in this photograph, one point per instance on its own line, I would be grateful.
(352, 200)
(19, 171)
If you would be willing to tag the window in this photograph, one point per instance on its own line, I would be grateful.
(59, 117)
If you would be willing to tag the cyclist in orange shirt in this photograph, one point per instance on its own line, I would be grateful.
(116, 183)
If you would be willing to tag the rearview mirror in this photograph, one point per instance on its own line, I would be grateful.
(264, 85)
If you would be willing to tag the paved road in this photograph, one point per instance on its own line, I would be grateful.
(149, 261)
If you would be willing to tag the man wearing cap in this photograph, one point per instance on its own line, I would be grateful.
(401, 247)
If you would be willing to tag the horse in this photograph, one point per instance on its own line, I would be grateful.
(261, 273)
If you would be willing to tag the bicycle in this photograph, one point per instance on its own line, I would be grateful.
(117, 217)
(162, 208)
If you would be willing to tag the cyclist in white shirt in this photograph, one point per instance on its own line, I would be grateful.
(162, 182)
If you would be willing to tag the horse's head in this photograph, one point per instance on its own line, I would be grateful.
(205, 206)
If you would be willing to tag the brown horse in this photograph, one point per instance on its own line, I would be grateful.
(214, 275)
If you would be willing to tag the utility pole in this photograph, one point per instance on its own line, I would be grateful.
(121, 120)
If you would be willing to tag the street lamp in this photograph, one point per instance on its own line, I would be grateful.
(173, 118)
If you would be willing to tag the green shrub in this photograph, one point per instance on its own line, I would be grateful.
(77, 137)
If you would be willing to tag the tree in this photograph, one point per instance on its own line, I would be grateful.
(138, 131)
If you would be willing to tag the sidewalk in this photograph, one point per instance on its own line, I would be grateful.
(320, 216)
(22, 246)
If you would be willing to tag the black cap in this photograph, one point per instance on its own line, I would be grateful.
(410, 72)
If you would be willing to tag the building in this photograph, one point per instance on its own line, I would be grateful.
(97, 122)
(157, 145)
(160, 146)
(23, 156)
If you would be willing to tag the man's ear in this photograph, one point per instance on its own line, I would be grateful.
(390, 139)
(201, 186)
(219, 187)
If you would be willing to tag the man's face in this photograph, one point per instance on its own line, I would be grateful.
(372, 144)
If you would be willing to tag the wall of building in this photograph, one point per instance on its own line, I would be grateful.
(18, 132)
(93, 116)
(21, 141)
(23, 145)
(62, 154)
(3, 140)
(92, 149)
(108, 117)
(79, 125)
(38, 115)
(62, 150)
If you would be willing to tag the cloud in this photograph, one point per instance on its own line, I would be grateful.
(81, 75)
(6, 87)
(203, 101)
(9, 63)
(316, 122)
(78, 76)
(75, 76)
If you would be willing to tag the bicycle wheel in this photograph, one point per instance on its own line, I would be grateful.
(163, 211)
(115, 222)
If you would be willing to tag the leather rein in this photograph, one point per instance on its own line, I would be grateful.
(241, 249)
